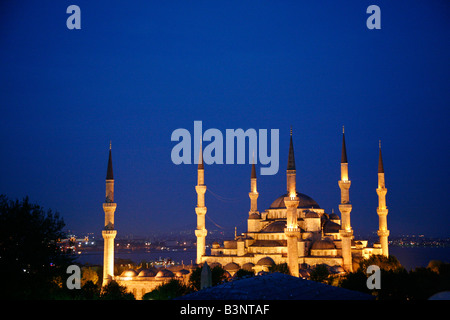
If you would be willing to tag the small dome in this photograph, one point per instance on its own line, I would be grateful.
(164, 273)
(232, 267)
(266, 261)
(182, 272)
(215, 245)
(147, 273)
(254, 216)
(175, 267)
(311, 214)
(334, 216)
(324, 244)
(331, 227)
(129, 273)
(248, 266)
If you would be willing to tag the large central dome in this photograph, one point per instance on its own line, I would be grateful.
(305, 202)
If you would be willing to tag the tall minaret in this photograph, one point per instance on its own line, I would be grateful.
(109, 233)
(382, 210)
(345, 208)
(200, 210)
(253, 194)
(291, 201)
(253, 224)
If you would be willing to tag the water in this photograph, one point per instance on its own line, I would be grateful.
(409, 257)
(412, 257)
(96, 257)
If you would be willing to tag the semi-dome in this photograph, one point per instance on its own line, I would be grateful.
(311, 214)
(248, 266)
(323, 244)
(276, 226)
(266, 261)
(304, 202)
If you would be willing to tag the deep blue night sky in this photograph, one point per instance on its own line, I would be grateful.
(137, 71)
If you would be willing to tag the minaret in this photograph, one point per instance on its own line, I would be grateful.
(200, 210)
(345, 208)
(382, 210)
(253, 221)
(253, 194)
(291, 201)
(108, 232)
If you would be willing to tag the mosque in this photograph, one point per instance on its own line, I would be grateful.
(294, 230)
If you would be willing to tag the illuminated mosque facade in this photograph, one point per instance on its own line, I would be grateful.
(294, 230)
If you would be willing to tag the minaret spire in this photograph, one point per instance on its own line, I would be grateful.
(345, 208)
(344, 149)
(291, 157)
(109, 170)
(382, 210)
(291, 172)
(253, 175)
(109, 232)
(200, 158)
(380, 159)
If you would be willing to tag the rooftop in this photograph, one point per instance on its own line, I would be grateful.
(275, 286)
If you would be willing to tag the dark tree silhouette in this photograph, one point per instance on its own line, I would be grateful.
(114, 291)
(32, 263)
(172, 289)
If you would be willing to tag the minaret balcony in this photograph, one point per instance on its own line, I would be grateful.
(200, 189)
(383, 233)
(346, 233)
(382, 211)
(109, 234)
(345, 208)
(291, 202)
(381, 192)
(201, 233)
(344, 184)
(109, 205)
(200, 210)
